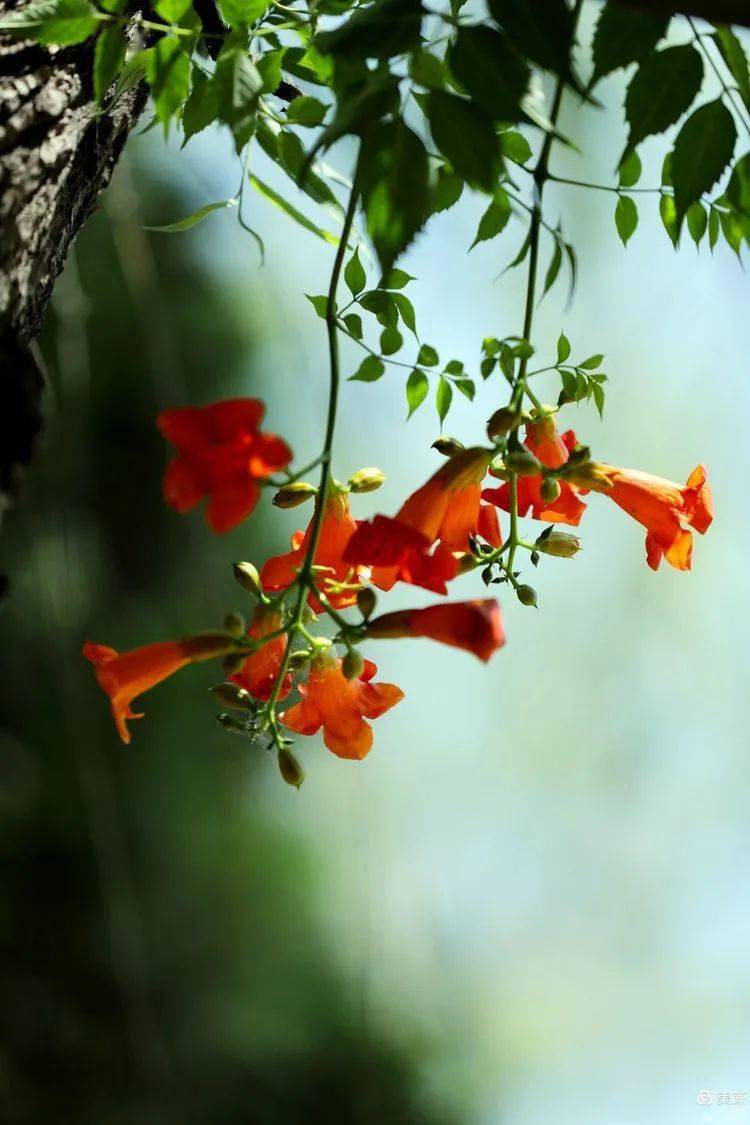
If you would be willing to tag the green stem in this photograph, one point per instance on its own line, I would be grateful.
(541, 175)
(304, 578)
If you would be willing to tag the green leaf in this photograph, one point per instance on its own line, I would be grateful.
(466, 387)
(306, 111)
(394, 174)
(624, 36)
(490, 68)
(59, 22)
(666, 171)
(354, 274)
(417, 386)
(668, 214)
(466, 137)
(172, 11)
(542, 31)
(697, 221)
(109, 55)
(240, 13)
(597, 393)
(553, 269)
(269, 68)
(702, 151)
(592, 362)
(285, 206)
(626, 218)
(428, 357)
(738, 188)
(453, 367)
(375, 31)
(406, 311)
(238, 83)
(427, 70)
(713, 228)
(319, 303)
(369, 371)
(167, 71)
(353, 322)
(494, 220)
(735, 58)
(630, 170)
(443, 398)
(395, 279)
(563, 348)
(201, 107)
(732, 230)
(447, 191)
(662, 89)
(195, 218)
(391, 340)
(515, 146)
(383, 305)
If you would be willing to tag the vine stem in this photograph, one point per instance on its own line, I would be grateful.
(305, 576)
(541, 175)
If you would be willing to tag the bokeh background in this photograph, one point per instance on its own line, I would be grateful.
(530, 904)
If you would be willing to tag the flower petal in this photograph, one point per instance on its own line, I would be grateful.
(231, 502)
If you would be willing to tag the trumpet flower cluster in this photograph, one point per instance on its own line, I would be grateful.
(302, 638)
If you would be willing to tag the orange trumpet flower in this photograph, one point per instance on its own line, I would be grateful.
(124, 676)
(340, 707)
(666, 510)
(222, 454)
(475, 626)
(259, 672)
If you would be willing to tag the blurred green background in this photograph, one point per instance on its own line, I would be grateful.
(530, 903)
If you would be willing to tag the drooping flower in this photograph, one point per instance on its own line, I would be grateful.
(446, 511)
(341, 706)
(124, 676)
(475, 626)
(222, 454)
(259, 672)
(337, 578)
(667, 511)
(553, 450)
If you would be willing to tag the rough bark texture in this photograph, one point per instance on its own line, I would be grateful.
(57, 151)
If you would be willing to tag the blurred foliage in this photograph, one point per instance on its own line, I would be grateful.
(160, 957)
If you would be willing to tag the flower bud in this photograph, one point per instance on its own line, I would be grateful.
(352, 664)
(366, 480)
(366, 601)
(559, 544)
(549, 490)
(231, 664)
(234, 726)
(235, 624)
(292, 495)
(247, 576)
(289, 768)
(526, 595)
(448, 446)
(497, 469)
(299, 658)
(232, 695)
(503, 421)
(522, 462)
(589, 475)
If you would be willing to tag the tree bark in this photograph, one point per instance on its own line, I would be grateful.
(57, 151)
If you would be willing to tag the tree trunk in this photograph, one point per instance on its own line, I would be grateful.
(57, 151)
